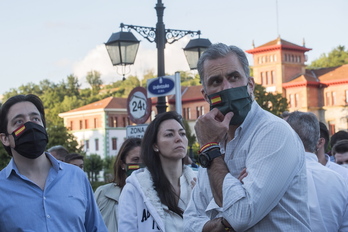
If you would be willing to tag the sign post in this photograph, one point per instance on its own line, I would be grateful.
(138, 105)
(164, 86)
(139, 110)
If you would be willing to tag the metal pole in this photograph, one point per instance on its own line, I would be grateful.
(160, 44)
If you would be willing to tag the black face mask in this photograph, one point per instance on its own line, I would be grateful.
(131, 167)
(30, 140)
(236, 100)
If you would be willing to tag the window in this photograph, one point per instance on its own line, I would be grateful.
(327, 98)
(333, 94)
(95, 123)
(198, 111)
(188, 113)
(114, 143)
(332, 127)
(86, 124)
(71, 125)
(96, 144)
(124, 122)
(267, 78)
(112, 122)
(291, 103)
(297, 100)
(81, 126)
(346, 97)
(262, 80)
(202, 110)
(87, 144)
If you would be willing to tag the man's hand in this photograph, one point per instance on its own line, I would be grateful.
(215, 225)
(212, 127)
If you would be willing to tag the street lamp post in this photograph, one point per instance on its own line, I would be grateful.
(160, 35)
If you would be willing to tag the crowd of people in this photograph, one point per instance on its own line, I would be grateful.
(258, 171)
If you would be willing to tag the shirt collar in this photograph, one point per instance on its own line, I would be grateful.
(311, 156)
(12, 167)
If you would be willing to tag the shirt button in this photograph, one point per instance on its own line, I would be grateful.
(44, 198)
(48, 216)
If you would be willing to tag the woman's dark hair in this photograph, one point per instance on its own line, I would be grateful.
(120, 175)
(152, 161)
(14, 100)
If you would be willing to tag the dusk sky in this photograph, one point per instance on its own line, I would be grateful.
(52, 39)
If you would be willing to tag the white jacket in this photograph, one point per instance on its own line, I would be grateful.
(140, 209)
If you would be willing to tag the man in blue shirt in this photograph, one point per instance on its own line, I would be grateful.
(38, 192)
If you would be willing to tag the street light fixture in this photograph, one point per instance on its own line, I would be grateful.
(122, 48)
(194, 50)
(160, 36)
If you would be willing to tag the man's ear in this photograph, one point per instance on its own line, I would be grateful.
(251, 83)
(321, 143)
(5, 139)
(205, 95)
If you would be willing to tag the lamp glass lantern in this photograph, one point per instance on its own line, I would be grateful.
(194, 50)
(122, 48)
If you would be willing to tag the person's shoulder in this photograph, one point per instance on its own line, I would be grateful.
(106, 187)
(327, 173)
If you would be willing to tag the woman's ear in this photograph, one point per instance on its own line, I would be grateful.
(155, 148)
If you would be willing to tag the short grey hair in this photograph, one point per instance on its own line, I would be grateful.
(221, 50)
(307, 127)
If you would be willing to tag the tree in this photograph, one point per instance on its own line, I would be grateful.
(274, 103)
(337, 57)
(190, 137)
(4, 157)
(94, 80)
(59, 135)
(93, 165)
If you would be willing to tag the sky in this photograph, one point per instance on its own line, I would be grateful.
(42, 39)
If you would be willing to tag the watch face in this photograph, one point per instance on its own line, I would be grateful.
(203, 160)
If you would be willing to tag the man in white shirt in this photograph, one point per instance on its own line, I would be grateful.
(324, 158)
(273, 196)
(327, 190)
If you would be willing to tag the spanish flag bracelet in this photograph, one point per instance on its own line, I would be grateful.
(207, 146)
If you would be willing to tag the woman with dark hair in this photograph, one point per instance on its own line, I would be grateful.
(155, 197)
(107, 196)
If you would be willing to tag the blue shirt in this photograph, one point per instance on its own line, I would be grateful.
(66, 203)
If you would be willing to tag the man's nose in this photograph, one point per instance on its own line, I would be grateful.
(226, 84)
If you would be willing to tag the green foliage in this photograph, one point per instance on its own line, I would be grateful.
(93, 78)
(188, 79)
(4, 157)
(58, 134)
(190, 136)
(93, 165)
(108, 165)
(274, 103)
(338, 56)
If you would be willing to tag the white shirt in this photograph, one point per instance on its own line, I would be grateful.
(274, 194)
(328, 198)
(337, 168)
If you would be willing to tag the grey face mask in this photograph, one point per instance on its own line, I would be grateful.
(236, 100)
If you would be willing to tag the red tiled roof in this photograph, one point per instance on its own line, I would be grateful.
(107, 103)
(276, 45)
(332, 74)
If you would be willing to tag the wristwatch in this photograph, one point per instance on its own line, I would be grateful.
(206, 157)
